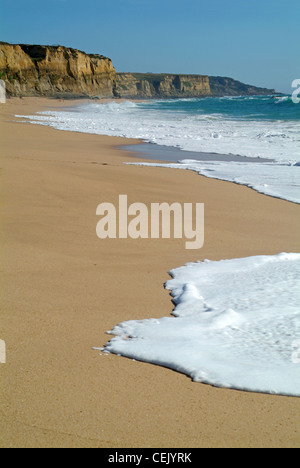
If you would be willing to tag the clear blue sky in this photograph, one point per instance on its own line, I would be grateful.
(254, 41)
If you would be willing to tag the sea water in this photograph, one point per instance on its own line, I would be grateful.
(236, 322)
(265, 127)
(236, 325)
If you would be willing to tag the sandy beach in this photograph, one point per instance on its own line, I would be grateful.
(62, 289)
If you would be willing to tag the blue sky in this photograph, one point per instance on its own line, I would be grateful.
(254, 41)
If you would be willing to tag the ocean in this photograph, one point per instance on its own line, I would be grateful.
(265, 130)
(236, 322)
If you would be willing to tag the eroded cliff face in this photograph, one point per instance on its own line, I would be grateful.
(149, 85)
(138, 85)
(55, 71)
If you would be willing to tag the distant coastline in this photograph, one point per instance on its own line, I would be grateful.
(164, 85)
(61, 72)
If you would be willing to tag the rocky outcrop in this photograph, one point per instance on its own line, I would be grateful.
(222, 86)
(149, 85)
(56, 71)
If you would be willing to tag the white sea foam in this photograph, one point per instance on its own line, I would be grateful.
(277, 180)
(277, 140)
(199, 132)
(236, 325)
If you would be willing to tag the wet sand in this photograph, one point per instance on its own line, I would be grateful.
(171, 154)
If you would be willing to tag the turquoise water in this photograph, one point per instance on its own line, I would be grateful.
(264, 128)
(244, 108)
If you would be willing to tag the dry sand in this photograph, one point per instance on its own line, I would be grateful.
(62, 288)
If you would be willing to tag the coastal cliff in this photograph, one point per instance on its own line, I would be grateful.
(223, 86)
(148, 85)
(55, 71)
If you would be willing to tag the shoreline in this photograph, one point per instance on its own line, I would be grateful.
(63, 289)
(273, 177)
(163, 153)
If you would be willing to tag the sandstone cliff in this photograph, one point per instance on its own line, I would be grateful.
(56, 71)
(148, 85)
